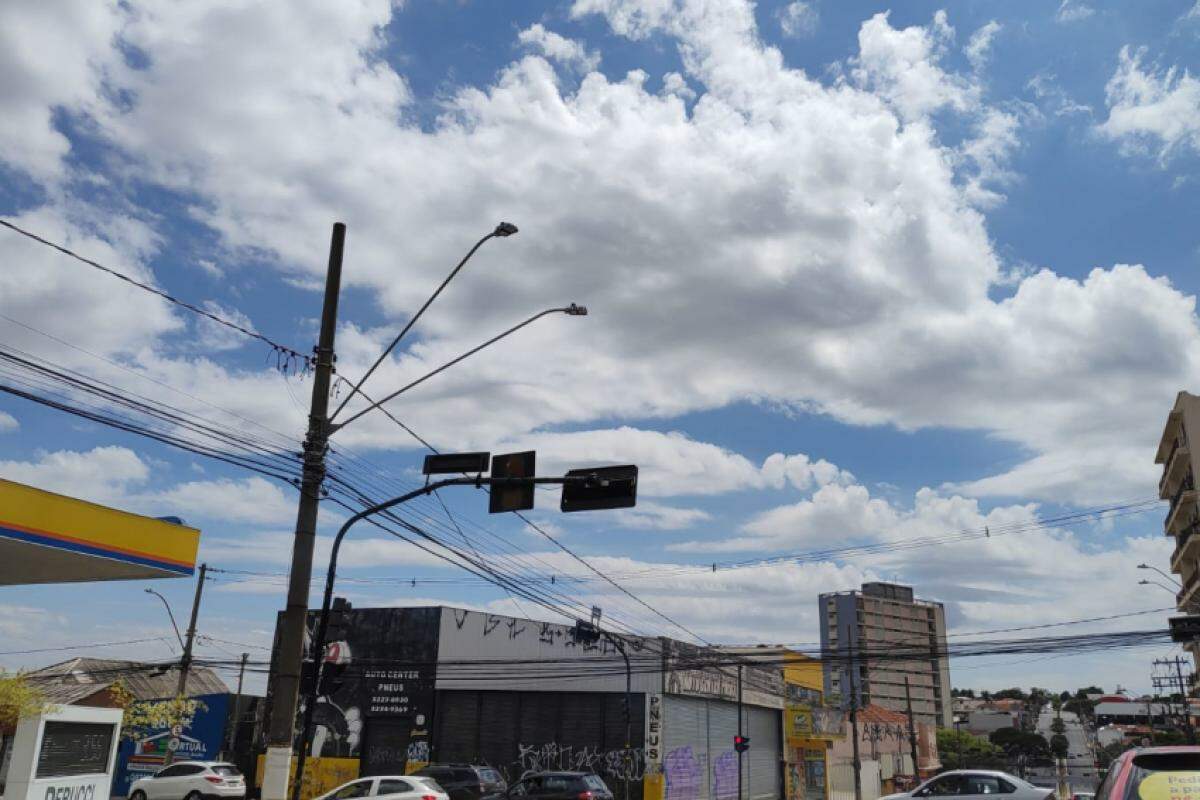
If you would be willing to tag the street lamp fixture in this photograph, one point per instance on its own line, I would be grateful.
(1178, 585)
(501, 231)
(167, 606)
(572, 310)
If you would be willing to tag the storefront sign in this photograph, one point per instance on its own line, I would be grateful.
(654, 729)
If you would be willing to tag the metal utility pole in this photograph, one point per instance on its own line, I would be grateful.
(854, 726)
(912, 732)
(185, 664)
(292, 626)
(1176, 683)
(237, 705)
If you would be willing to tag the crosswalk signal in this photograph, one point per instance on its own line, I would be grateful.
(741, 743)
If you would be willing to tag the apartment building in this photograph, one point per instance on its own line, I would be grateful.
(1178, 485)
(877, 637)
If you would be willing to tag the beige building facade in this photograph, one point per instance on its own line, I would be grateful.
(876, 638)
(1177, 485)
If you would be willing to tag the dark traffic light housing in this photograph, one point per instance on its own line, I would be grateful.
(512, 496)
(741, 743)
(608, 487)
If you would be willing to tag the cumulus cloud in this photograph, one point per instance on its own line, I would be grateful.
(8, 422)
(673, 464)
(1073, 11)
(1152, 107)
(568, 52)
(658, 517)
(103, 475)
(798, 19)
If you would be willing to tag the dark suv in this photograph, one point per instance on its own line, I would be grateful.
(557, 786)
(465, 781)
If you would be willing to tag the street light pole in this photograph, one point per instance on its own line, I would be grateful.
(318, 642)
(185, 664)
(167, 606)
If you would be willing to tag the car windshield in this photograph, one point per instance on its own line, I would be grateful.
(1164, 776)
(490, 775)
(428, 781)
(595, 783)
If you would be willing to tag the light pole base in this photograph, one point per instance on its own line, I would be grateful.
(276, 771)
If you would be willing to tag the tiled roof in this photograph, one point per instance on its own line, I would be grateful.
(884, 716)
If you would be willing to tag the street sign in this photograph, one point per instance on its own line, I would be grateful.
(517, 496)
(611, 487)
(1185, 629)
(451, 463)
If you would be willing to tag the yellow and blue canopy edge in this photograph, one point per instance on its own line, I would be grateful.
(51, 538)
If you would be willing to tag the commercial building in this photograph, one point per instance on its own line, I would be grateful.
(879, 637)
(1178, 485)
(402, 687)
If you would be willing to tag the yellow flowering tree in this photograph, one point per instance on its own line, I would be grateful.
(19, 697)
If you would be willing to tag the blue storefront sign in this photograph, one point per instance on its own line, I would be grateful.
(201, 740)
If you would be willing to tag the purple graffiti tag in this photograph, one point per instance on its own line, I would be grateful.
(682, 772)
(725, 776)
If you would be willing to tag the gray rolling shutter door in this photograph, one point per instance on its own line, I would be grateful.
(762, 761)
(685, 748)
(722, 727)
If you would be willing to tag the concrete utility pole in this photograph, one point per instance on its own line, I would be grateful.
(292, 626)
(739, 731)
(185, 664)
(237, 705)
(912, 733)
(854, 727)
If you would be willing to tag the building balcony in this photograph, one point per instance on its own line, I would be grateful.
(1174, 467)
(1187, 547)
(1183, 505)
(1187, 595)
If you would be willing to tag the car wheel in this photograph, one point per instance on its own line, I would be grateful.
(138, 795)
(193, 795)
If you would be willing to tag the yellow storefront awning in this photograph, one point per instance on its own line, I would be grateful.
(50, 538)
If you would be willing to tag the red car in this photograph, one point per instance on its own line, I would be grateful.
(1152, 773)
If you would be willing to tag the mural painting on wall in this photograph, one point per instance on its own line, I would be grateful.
(619, 764)
(682, 773)
(725, 776)
(378, 668)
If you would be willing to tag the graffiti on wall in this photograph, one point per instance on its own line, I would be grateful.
(619, 764)
(725, 776)
(682, 773)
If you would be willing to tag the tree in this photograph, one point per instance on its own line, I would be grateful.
(1085, 691)
(19, 697)
(1016, 743)
(143, 716)
(962, 693)
(1105, 755)
(1010, 694)
(1058, 726)
(961, 750)
(1059, 745)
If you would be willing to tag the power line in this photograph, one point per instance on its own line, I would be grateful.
(289, 353)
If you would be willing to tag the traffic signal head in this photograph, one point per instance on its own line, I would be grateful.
(608, 487)
(741, 743)
(512, 496)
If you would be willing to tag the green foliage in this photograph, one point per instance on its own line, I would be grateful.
(1106, 755)
(1016, 743)
(1059, 745)
(1010, 694)
(962, 692)
(1058, 726)
(961, 750)
(19, 697)
(142, 716)
(1080, 705)
(1082, 694)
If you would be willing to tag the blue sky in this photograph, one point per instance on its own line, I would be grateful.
(857, 275)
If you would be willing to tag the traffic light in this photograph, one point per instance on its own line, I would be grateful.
(512, 496)
(741, 743)
(609, 487)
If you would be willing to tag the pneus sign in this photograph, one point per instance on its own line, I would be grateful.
(653, 749)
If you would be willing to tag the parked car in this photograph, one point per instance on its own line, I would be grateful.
(191, 780)
(976, 784)
(1146, 773)
(465, 781)
(557, 786)
(395, 787)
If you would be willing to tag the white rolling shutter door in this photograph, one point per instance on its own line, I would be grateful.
(685, 748)
(763, 759)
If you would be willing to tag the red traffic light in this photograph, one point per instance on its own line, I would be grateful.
(741, 743)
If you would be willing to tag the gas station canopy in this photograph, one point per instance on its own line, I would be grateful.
(49, 538)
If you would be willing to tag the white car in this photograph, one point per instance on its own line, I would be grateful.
(393, 787)
(975, 784)
(191, 780)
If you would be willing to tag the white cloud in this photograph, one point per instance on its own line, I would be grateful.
(1150, 106)
(252, 500)
(798, 19)
(1053, 98)
(673, 464)
(568, 52)
(8, 422)
(213, 336)
(104, 475)
(658, 517)
(1073, 11)
(979, 46)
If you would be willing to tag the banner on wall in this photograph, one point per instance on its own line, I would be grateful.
(201, 739)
